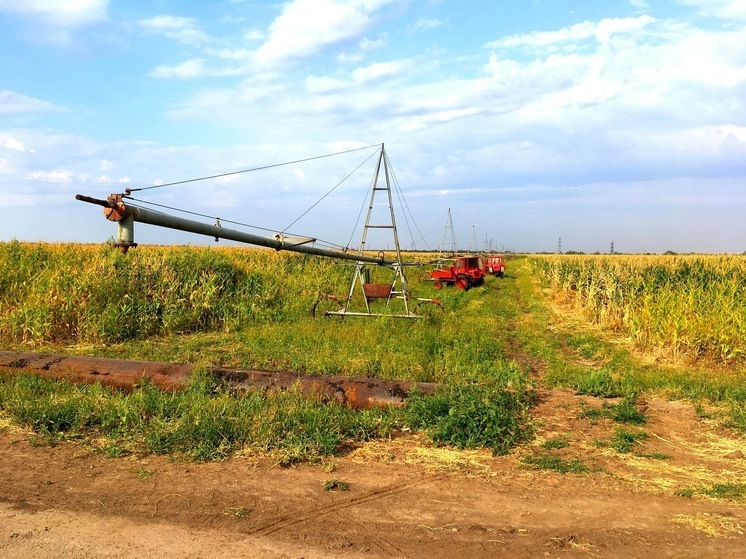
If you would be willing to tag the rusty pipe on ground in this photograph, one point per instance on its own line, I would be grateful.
(359, 393)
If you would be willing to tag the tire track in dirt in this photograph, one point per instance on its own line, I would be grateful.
(376, 494)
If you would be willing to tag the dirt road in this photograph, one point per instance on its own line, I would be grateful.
(403, 499)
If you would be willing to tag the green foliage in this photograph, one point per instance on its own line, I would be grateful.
(336, 485)
(625, 411)
(598, 383)
(556, 443)
(558, 464)
(469, 416)
(726, 491)
(737, 414)
(65, 293)
(723, 491)
(624, 440)
(203, 423)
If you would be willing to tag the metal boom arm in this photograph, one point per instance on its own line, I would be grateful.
(125, 215)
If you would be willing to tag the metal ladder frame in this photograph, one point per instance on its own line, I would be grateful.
(398, 287)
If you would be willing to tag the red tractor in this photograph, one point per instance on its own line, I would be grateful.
(496, 265)
(465, 272)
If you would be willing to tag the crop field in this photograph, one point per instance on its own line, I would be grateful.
(597, 379)
(252, 309)
(693, 305)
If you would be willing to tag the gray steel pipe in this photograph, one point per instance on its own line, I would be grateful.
(125, 214)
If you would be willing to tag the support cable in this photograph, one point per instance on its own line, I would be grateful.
(405, 205)
(247, 170)
(329, 192)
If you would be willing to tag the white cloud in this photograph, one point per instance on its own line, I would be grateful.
(305, 26)
(13, 102)
(181, 29)
(58, 176)
(725, 9)
(17, 145)
(63, 13)
(187, 69)
(368, 45)
(105, 179)
(322, 85)
(424, 24)
(380, 70)
(602, 31)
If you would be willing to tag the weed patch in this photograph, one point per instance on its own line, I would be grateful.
(556, 443)
(623, 441)
(624, 412)
(558, 464)
(473, 416)
(336, 485)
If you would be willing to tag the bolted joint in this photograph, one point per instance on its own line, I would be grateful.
(116, 210)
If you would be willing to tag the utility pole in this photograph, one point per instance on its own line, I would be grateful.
(612, 247)
(559, 246)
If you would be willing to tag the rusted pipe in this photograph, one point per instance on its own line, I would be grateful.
(360, 393)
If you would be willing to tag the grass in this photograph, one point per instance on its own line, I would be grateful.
(469, 416)
(205, 422)
(249, 308)
(336, 485)
(558, 464)
(236, 512)
(625, 411)
(487, 347)
(623, 440)
(726, 491)
(556, 443)
(721, 491)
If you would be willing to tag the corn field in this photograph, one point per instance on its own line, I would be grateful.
(693, 305)
(92, 293)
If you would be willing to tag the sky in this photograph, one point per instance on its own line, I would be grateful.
(587, 121)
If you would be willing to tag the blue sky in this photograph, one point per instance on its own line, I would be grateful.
(595, 122)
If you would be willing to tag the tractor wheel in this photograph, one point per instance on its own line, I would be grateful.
(463, 283)
(501, 275)
(437, 285)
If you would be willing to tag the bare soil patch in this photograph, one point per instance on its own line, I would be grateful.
(403, 498)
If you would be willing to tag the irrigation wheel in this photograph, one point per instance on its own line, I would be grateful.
(327, 303)
(428, 308)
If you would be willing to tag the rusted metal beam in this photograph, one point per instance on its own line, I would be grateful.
(360, 393)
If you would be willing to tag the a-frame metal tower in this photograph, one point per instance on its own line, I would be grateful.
(448, 246)
(395, 289)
